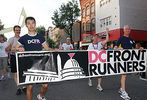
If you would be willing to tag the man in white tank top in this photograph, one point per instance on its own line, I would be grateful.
(98, 45)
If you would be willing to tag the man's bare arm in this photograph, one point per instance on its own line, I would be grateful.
(107, 37)
(17, 48)
(46, 47)
(7, 49)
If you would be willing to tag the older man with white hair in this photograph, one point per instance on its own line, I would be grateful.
(67, 45)
(125, 42)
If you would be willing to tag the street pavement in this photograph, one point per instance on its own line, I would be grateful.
(79, 90)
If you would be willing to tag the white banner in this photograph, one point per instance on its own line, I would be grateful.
(45, 66)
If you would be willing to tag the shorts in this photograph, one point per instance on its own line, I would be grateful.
(13, 63)
(3, 62)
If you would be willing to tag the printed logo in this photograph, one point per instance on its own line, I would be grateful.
(72, 69)
(34, 41)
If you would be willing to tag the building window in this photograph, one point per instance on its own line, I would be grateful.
(93, 24)
(87, 11)
(106, 21)
(92, 8)
(109, 20)
(104, 2)
(83, 12)
(84, 28)
(88, 26)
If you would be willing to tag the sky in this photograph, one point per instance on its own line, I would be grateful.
(42, 10)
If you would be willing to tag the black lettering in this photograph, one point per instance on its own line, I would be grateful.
(137, 56)
(123, 55)
(93, 69)
(99, 69)
(143, 51)
(142, 64)
(109, 55)
(117, 55)
(112, 68)
(129, 66)
(135, 65)
(122, 67)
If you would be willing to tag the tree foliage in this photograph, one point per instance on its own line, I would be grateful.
(41, 30)
(65, 17)
(51, 43)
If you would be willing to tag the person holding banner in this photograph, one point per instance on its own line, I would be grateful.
(67, 45)
(32, 42)
(125, 42)
(97, 45)
(11, 43)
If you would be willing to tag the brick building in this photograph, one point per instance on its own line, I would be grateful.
(87, 19)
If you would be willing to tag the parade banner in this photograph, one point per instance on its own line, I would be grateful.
(46, 66)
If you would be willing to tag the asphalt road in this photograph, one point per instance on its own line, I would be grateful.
(79, 90)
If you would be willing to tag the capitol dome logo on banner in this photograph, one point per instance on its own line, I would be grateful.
(71, 69)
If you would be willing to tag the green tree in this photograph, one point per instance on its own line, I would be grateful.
(57, 42)
(41, 30)
(1, 26)
(65, 17)
(51, 43)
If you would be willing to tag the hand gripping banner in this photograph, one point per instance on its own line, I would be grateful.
(46, 66)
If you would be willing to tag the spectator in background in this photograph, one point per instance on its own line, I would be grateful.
(142, 75)
(138, 45)
(111, 47)
(3, 58)
(67, 45)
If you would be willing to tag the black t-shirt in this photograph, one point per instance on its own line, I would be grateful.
(125, 42)
(32, 43)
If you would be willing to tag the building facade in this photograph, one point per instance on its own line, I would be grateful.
(76, 31)
(114, 14)
(59, 35)
(87, 19)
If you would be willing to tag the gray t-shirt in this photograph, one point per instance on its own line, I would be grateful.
(15, 41)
